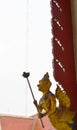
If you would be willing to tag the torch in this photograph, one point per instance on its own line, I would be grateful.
(26, 75)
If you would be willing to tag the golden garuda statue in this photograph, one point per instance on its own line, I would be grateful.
(61, 117)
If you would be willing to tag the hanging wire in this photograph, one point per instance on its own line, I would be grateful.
(27, 55)
(27, 34)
